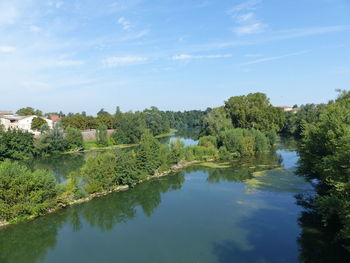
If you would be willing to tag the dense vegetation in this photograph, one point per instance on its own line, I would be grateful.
(17, 144)
(325, 155)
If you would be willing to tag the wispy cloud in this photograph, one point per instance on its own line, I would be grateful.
(126, 25)
(245, 18)
(7, 49)
(33, 28)
(56, 4)
(249, 29)
(188, 57)
(123, 61)
(247, 5)
(266, 59)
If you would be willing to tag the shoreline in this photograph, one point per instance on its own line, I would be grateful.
(118, 188)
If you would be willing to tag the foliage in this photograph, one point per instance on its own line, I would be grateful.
(156, 121)
(25, 193)
(307, 114)
(99, 173)
(16, 145)
(37, 123)
(325, 155)
(127, 172)
(254, 111)
(52, 141)
(129, 128)
(29, 111)
(176, 151)
(208, 141)
(216, 121)
(201, 153)
(185, 119)
(148, 155)
(74, 138)
(243, 141)
(101, 135)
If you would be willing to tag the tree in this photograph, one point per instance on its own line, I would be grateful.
(25, 193)
(99, 173)
(254, 111)
(52, 141)
(29, 111)
(148, 155)
(37, 123)
(129, 127)
(325, 155)
(101, 135)
(16, 144)
(156, 121)
(216, 121)
(74, 138)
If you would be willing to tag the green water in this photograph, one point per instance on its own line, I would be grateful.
(246, 213)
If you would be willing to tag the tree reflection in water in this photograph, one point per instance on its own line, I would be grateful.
(29, 242)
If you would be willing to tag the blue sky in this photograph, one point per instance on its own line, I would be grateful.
(175, 54)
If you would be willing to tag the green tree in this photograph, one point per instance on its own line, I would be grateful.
(25, 193)
(101, 135)
(148, 155)
(99, 173)
(129, 127)
(216, 121)
(16, 145)
(37, 123)
(254, 111)
(74, 138)
(29, 111)
(325, 155)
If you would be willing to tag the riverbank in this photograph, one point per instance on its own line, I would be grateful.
(118, 188)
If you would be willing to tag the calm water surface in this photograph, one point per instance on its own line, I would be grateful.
(246, 213)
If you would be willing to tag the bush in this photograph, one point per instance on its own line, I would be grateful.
(99, 173)
(208, 141)
(74, 138)
(25, 193)
(16, 144)
(224, 154)
(244, 141)
(101, 135)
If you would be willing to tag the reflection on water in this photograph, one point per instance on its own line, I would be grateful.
(245, 213)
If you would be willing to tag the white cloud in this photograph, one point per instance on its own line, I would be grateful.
(67, 63)
(246, 20)
(7, 49)
(274, 58)
(248, 5)
(188, 57)
(33, 28)
(126, 25)
(123, 61)
(249, 29)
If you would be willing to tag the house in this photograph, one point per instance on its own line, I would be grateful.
(21, 122)
(289, 109)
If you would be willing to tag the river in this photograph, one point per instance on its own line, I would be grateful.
(244, 213)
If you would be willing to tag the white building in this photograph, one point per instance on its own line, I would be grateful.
(21, 122)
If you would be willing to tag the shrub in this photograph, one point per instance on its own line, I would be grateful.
(25, 193)
(99, 173)
(208, 141)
